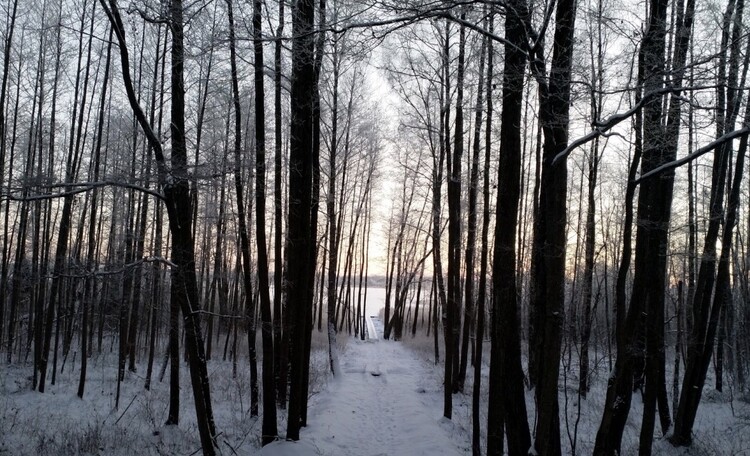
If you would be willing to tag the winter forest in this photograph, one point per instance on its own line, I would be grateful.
(425, 226)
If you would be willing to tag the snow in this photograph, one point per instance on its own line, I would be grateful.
(384, 402)
(59, 423)
(372, 333)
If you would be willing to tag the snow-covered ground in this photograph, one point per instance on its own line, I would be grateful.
(387, 400)
(58, 423)
(383, 402)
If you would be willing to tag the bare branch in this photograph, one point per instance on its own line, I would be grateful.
(82, 187)
(159, 18)
(601, 128)
(120, 270)
(115, 20)
(690, 157)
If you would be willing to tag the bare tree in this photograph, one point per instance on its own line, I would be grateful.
(91, 280)
(712, 291)
(549, 233)
(269, 432)
(506, 375)
(482, 286)
(658, 146)
(11, 25)
(299, 239)
(175, 187)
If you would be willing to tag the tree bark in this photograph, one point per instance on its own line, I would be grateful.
(269, 431)
(506, 387)
(654, 211)
(597, 76)
(454, 233)
(712, 287)
(333, 245)
(299, 238)
(3, 147)
(280, 352)
(63, 229)
(91, 246)
(550, 232)
(476, 446)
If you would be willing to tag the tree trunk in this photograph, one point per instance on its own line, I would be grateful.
(269, 432)
(550, 232)
(242, 221)
(333, 245)
(472, 222)
(454, 233)
(597, 78)
(280, 358)
(63, 235)
(654, 211)
(3, 147)
(506, 387)
(712, 291)
(299, 238)
(476, 445)
(91, 246)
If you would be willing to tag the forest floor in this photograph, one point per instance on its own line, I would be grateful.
(386, 400)
(383, 402)
(58, 423)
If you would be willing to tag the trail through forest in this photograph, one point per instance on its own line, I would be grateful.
(384, 402)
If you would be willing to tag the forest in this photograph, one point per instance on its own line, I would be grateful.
(548, 194)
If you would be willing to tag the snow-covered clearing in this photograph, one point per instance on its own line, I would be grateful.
(383, 402)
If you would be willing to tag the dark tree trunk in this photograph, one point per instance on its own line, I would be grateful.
(476, 445)
(654, 211)
(27, 211)
(588, 271)
(699, 355)
(471, 241)
(314, 208)
(177, 198)
(21, 235)
(280, 352)
(390, 266)
(612, 418)
(218, 268)
(472, 224)
(438, 163)
(269, 431)
(156, 299)
(91, 246)
(300, 203)
(549, 235)
(62, 238)
(242, 220)
(3, 147)
(597, 76)
(712, 287)
(333, 245)
(506, 388)
(454, 234)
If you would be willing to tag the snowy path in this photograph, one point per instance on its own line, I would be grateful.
(377, 406)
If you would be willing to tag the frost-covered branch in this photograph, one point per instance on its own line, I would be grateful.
(120, 270)
(81, 187)
(690, 157)
(601, 128)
